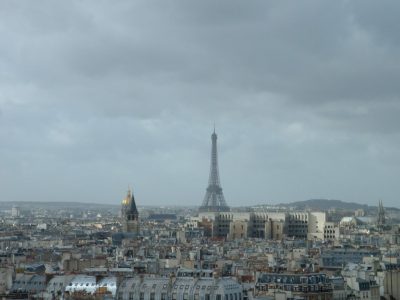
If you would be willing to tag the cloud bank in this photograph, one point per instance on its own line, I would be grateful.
(95, 96)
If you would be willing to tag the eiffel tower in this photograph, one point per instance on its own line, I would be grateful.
(214, 200)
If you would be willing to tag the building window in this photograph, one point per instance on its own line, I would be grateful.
(152, 296)
(141, 296)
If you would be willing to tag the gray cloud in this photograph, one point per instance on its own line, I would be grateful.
(95, 96)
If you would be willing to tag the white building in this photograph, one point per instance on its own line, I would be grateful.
(188, 284)
(15, 211)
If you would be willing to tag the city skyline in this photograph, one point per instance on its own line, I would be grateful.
(98, 96)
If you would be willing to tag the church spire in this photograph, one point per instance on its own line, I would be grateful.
(130, 214)
(381, 215)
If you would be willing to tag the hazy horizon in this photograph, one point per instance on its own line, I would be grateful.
(96, 96)
(144, 206)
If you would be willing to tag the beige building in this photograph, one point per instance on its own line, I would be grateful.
(392, 284)
(238, 229)
(331, 231)
(274, 229)
(6, 276)
(274, 226)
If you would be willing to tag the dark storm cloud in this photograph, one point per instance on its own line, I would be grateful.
(96, 94)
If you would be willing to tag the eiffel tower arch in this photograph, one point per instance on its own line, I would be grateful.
(214, 200)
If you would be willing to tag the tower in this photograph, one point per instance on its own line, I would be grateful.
(381, 215)
(214, 200)
(130, 214)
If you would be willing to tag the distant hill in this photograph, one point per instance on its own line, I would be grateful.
(27, 205)
(325, 204)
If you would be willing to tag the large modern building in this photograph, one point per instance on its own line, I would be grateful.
(269, 225)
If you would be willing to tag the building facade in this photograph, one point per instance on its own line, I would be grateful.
(187, 285)
(269, 225)
(310, 286)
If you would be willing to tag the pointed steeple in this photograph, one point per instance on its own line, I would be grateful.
(129, 193)
(133, 208)
(381, 215)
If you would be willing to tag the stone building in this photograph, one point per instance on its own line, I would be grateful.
(310, 286)
(130, 214)
(269, 225)
(188, 284)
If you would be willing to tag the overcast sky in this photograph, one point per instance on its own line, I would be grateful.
(98, 95)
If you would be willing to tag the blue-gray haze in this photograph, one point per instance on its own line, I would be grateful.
(99, 95)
